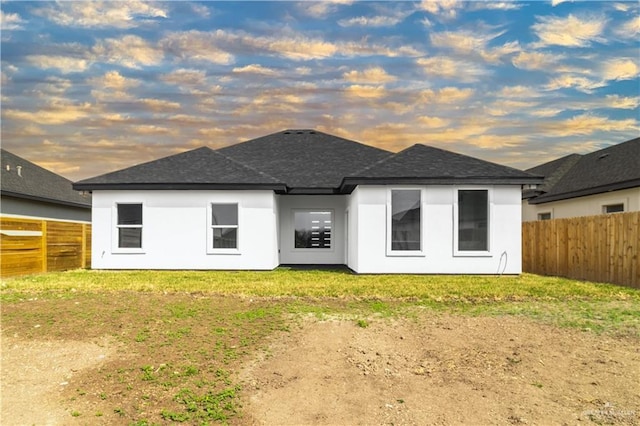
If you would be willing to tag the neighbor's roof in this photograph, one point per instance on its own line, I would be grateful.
(305, 162)
(614, 168)
(23, 179)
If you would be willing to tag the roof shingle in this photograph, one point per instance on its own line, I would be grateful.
(34, 182)
(612, 168)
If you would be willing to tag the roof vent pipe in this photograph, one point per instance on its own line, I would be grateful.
(19, 168)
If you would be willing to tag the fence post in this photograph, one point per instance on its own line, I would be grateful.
(83, 250)
(44, 244)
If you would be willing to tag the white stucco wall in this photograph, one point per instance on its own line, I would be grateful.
(174, 231)
(589, 205)
(287, 205)
(368, 214)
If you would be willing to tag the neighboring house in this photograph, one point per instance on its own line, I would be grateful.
(604, 181)
(29, 191)
(306, 197)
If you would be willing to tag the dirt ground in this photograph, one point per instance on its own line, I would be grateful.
(433, 369)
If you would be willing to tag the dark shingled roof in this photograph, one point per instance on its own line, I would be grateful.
(305, 158)
(36, 183)
(609, 169)
(305, 162)
(426, 164)
(198, 168)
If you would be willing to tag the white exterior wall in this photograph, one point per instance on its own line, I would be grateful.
(287, 205)
(175, 230)
(589, 205)
(368, 214)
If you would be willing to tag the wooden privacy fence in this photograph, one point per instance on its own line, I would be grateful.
(600, 248)
(30, 246)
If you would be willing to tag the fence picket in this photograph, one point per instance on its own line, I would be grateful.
(601, 248)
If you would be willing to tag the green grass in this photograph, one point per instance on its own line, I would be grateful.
(187, 333)
(284, 282)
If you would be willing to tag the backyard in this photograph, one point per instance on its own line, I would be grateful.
(317, 347)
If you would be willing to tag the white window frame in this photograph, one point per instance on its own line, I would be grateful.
(115, 234)
(211, 227)
(490, 225)
(624, 207)
(406, 253)
(549, 212)
(310, 249)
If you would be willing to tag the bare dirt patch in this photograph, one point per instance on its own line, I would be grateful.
(36, 373)
(443, 370)
(426, 369)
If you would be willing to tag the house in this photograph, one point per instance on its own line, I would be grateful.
(307, 197)
(30, 191)
(604, 181)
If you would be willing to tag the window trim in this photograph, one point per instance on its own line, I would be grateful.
(473, 253)
(313, 250)
(621, 203)
(389, 211)
(550, 213)
(211, 227)
(115, 228)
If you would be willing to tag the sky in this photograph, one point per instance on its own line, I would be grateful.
(93, 87)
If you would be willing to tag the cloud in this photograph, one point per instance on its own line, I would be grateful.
(66, 64)
(374, 21)
(446, 9)
(630, 29)
(10, 21)
(255, 69)
(626, 102)
(159, 105)
(55, 113)
(504, 107)
(114, 80)
(496, 5)
(320, 9)
(102, 14)
(571, 31)
(450, 68)
(620, 69)
(467, 42)
(185, 77)
(568, 81)
(149, 129)
(536, 60)
(433, 122)
(446, 95)
(546, 112)
(366, 91)
(198, 46)
(586, 124)
(518, 91)
(373, 75)
(130, 51)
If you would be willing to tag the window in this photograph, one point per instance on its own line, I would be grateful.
(313, 229)
(405, 220)
(129, 225)
(544, 216)
(613, 208)
(473, 220)
(224, 226)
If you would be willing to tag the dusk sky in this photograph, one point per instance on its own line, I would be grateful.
(92, 87)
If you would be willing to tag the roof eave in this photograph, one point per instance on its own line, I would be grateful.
(46, 200)
(349, 183)
(177, 186)
(547, 198)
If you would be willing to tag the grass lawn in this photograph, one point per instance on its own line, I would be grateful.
(186, 333)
